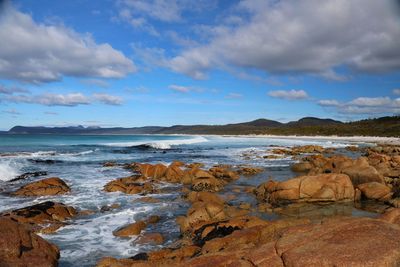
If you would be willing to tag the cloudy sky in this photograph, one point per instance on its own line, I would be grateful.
(165, 62)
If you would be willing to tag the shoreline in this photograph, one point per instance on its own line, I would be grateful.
(355, 139)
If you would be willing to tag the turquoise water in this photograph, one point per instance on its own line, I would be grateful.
(78, 159)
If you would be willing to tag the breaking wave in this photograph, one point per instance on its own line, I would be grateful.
(160, 144)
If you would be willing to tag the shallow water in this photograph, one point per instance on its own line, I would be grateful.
(78, 161)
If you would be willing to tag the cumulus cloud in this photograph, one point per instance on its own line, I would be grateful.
(364, 105)
(301, 36)
(67, 100)
(108, 99)
(49, 99)
(96, 82)
(396, 91)
(12, 90)
(289, 95)
(37, 53)
(328, 103)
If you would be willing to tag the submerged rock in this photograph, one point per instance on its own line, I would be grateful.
(46, 187)
(19, 246)
(28, 175)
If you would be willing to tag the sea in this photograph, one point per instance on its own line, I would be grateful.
(78, 160)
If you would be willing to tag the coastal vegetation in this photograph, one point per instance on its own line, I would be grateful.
(308, 126)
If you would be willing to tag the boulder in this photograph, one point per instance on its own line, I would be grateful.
(341, 242)
(174, 173)
(46, 187)
(130, 229)
(249, 170)
(358, 170)
(225, 173)
(150, 238)
(130, 185)
(156, 171)
(316, 188)
(391, 215)
(42, 213)
(375, 191)
(19, 246)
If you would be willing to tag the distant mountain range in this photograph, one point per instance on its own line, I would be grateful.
(384, 126)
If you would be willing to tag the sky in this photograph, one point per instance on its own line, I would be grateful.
(165, 62)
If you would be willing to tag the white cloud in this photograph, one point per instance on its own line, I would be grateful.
(364, 105)
(396, 91)
(96, 82)
(37, 53)
(185, 89)
(68, 100)
(371, 101)
(49, 99)
(12, 90)
(328, 103)
(108, 99)
(233, 95)
(301, 36)
(289, 95)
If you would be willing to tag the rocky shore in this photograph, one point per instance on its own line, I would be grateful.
(219, 231)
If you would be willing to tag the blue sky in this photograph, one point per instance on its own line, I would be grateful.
(165, 62)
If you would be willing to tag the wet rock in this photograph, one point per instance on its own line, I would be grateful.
(111, 207)
(28, 175)
(46, 187)
(249, 170)
(224, 172)
(351, 148)
(317, 188)
(45, 161)
(19, 246)
(148, 200)
(110, 164)
(40, 214)
(375, 191)
(150, 238)
(130, 185)
(210, 184)
(130, 229)
(153, 219)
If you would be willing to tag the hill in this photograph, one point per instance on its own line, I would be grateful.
(384, 126)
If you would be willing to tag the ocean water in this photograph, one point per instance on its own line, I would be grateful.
(78, 161)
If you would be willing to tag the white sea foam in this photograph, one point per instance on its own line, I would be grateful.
(161, 144)
(8, 170)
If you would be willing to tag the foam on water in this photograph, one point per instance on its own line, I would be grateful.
(9, 170)
(160, 144)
